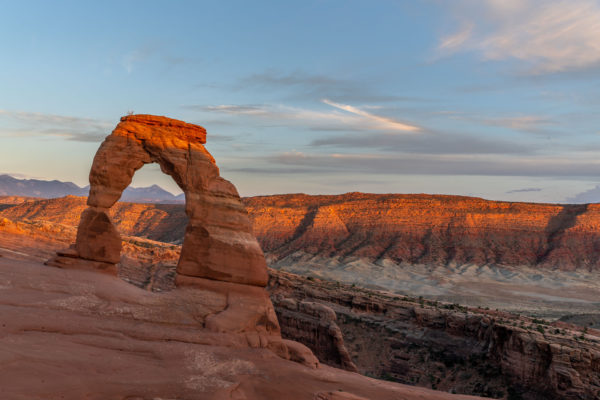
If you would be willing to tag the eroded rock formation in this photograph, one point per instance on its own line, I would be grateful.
(218, 242)
(219, 254)
(440, 345)
(315, 325)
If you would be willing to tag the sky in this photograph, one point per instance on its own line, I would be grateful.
(491, 98)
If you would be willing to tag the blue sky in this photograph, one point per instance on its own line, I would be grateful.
(492, 98)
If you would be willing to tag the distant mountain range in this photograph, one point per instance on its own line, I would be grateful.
(10, 186)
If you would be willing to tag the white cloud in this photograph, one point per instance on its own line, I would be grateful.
(526, 123)
(353, 119)
(548, 36)
(575, 167)
(456, 40)
(383, 122)
(519, 123)
(26, 123)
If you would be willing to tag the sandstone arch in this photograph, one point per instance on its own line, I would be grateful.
(218, 244)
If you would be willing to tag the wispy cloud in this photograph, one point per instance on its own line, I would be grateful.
(456, 40)
(134, 57)
(519, 123)
(428, 142)
(526, 123)
(232, 109)
(424, 164)
(383, 122)
(71, 128)
(589, 196)
(352, 119)
(548, 36)
(300, 85)
(525, 190)
(157, 53)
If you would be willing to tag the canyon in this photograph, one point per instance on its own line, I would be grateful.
(539, 259)
(410, 340)
(438, 345)
(374, 329)
(72, 334)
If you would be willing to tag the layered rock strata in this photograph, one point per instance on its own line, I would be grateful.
(409, 229)
(315, 325)
(427, 229)
(442, 346)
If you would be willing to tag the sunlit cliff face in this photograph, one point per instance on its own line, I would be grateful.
(425, 229)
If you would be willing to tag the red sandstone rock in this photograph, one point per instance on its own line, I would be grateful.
(313, 324)
(219, 253)
(339, 395)
(218, 242)
(300, 353)
(417, 229)
(428, 229)
(97, 238)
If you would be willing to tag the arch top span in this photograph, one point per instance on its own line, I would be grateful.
(218, 243)
(165, 126)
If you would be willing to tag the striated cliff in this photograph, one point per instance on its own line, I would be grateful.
(540, 259)
(162, 222)
(440, 345)
(411, 228)
(428, 229)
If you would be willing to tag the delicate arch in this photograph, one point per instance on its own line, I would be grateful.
(218, 243)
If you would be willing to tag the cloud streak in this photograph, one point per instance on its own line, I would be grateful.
(423, 164)
(547, 36)
(525, 190)
(426, 143)
(383, 122)
(520, 123)
(301, 85)
(352, 119)
(67, 127)
(589, 196)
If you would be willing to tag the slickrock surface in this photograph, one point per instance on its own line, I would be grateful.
(441, 345)
(72, 334)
